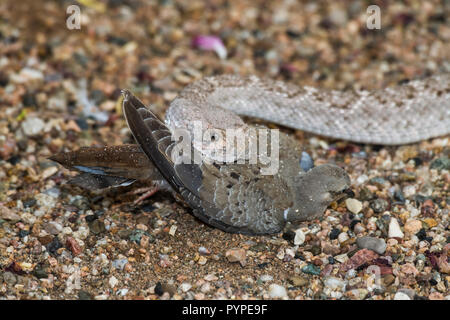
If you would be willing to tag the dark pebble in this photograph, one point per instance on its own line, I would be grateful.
(90, 218)
(53, 246)
(365, 194)
(331, 260)
(23, 233)
(421, 235)
(158, 289)
(440, 164)
(29, 203)
(334, 233)
(84, 295)
(40, 272)
(289, 236)
(97, 227)
(398, 195)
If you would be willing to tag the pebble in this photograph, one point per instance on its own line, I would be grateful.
(376, 244)
(277, 291)
(73, 246)
(394, 229)
(343, 236)
(53, 227)
(379, 205)
(335, 283)
(298, 281)
(266, 277)
(33, 126)
(299, 238)
(409, 191)
(440, 164)
(353, 205)
(334, 234)
(8, 214)
(236, 255)
(401, 296)
(113, 282)
(185, 287)
(311, 269)
(412, 226)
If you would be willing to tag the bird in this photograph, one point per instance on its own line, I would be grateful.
(234, 195)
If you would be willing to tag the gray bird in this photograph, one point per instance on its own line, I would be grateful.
(233, 197)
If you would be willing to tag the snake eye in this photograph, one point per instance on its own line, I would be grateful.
(213, 138)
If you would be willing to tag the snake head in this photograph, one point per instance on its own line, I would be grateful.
(316, 189)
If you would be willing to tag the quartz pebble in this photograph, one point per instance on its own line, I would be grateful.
(353, 205)
(394, 229)
(299, 238)
(277, 291)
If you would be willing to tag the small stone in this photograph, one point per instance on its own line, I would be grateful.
(97, 227)
(73, 246)
(401, 296)
(204, 251)
(376, 244)
(298, 281)
(335, 283)
(430, 222)
(334, 234)
(379, 205)
(266, 277)
(277, 291)
(202, 260)
(412, 226)
(8, 214)
(113, 282)
(84, 295)
(311, 269)
(299, 238)
(388, 279)
(353, 205)
(343, 236)
(440, 164)
(394, 229)
(172, 230)
(32, 126)
(53, 227)
(185, 287)
(358, 259)
(236, 255)
(409, 191)
(10, 278)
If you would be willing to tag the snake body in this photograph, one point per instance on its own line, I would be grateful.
(407, 113)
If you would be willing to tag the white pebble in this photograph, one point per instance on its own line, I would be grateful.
(299, 237)
(353, 205)
(266, 277)
(185, 286)
(32, 126)
(343, 236)
(401, 296)
(113, 282)
(277, 291)
(394, 229)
